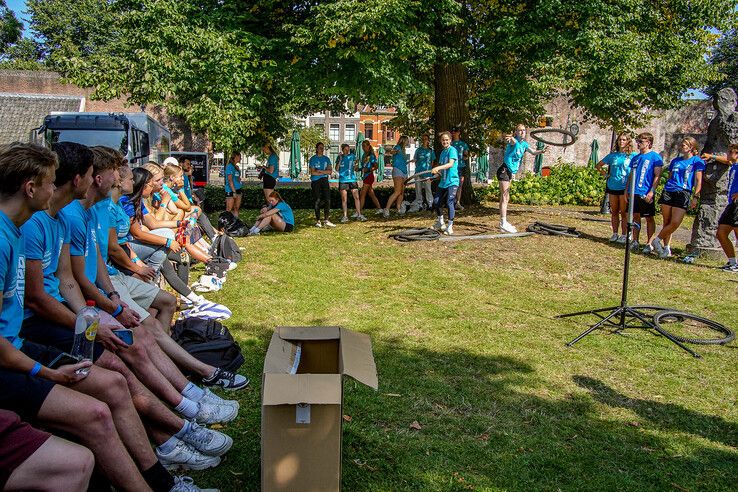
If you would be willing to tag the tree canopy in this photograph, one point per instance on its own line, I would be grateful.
(237, 69)
(725, 59)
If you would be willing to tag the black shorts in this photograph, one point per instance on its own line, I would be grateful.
(504, 173)
(465, 172)
(288, 227)
(348, 186)
(644, 208)
(614, 192)
(270, 182)
(38, 330)
(729, 215)
(231, 194)
(678, 199)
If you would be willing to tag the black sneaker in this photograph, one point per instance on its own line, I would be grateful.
(226, 380)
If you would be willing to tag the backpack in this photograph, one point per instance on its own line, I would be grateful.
(217, 267)
(232, 225)
(225, 247)
(209, 342)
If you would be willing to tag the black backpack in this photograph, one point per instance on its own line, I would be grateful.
(232, 225)
(225, 247)
(208, 341)
(217, 266)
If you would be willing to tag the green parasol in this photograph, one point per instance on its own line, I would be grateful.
(538, 162)
(483, 167)
(380, 163)
(295, 165)
(359, 151)
(594, 156)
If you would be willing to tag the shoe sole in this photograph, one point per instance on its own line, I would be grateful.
(227, 388)
(218, 453)
(188, 466)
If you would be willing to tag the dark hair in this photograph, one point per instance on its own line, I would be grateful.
(74, 160)
(234, 154)
(141, 176)
(22, 162)
(104, 158)
(317, 144)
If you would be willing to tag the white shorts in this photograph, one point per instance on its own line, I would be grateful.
(138, 294)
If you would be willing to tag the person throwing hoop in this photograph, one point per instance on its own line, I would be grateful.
(618, 166)
(646, 167)
(514, 150)
(449, 185)
(399, 175)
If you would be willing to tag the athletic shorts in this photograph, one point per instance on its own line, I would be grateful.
(614, 192)
(369, 180)
(23, 394)
(730, 215)
(504, 173)
(270, 182)
(231, 194)
(18, 441)
(39, 332)
(678, 199)
(348, 186)
(139, 295)
(642, 207)
(289, 227)
(398, 173)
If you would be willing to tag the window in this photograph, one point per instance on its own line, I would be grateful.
(335, 132)
(369, 130)
(390, 134)
(349, 133)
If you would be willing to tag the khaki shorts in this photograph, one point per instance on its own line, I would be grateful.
(138, 294)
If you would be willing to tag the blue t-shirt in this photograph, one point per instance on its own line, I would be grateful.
(187, 187)
(644, 165)
(43, 237)
(398, 159)
(424, 158)
(367, 166)
(273, 160)
(103, 220)
(732, 181)
(169, 192)
(514, 155)
(83, 236)
(345, 165)
(681, 173)
(460, 147)
(286, 212)
(618, 167)
(232, 170)
(319, 163)
(449, 177)
(130, 210)
(13, 278)
(121, 221)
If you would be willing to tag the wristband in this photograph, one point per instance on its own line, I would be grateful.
(113, 293)
(117, 311)
(35, 369)
(135, 260)
(169, 244)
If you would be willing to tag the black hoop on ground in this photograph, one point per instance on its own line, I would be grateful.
(409, 235)
(565, 133)
(421, 177)
(553, 229)
(671, 316)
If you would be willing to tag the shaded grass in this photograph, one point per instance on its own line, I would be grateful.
(466, 345)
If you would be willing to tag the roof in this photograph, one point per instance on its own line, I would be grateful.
(21, 113)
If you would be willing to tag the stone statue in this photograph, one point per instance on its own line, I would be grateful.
(723, 130)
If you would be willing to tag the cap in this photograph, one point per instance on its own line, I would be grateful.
(170, 160)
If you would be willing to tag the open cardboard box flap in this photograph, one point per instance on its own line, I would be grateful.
(299, 333)
(357, 359)
(293, 389)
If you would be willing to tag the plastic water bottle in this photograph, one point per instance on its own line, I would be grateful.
(85, 331)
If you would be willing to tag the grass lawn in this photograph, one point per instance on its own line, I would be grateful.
(466, 344)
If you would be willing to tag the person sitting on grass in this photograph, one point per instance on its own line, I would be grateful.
(618, 166)
(685, 174)
(277, 215)
(347, 181)
(449, 185)
(514, 151)
(646, 166)
(729, 218)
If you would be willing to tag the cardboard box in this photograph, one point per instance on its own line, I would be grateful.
(302, 404)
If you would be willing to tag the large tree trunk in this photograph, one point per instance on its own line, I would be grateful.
(450, 109)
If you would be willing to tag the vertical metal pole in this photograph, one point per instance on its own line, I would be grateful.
(629, 233)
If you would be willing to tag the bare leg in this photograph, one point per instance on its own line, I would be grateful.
(357, 202)
(236, 205)
(637, 228)
(614, 212)
(362, 195)
(374, 198)
(58, 465)
(723, 236)
(159, 359)
(229, 205)
(504, 199)
(278, 224)
(650, 228)
(344, 202)
(179, 356)
(165, 305)
(267, 192)
(461, 185)
(623, 203)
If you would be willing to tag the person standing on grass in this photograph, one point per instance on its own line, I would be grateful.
(423, 159)
(233, 184)
(685, 175)
(618, 166)
(646, 167)
(464, 170)
(277, 215)
(368, 166)
(728, 221)
(320, 170)
(399, 175)
(449, 185)
(347, 181)
(271, 170)
(514, 151)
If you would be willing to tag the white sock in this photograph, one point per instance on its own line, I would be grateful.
(440, 219)
(193, 297)
(188, 408)
(192, 392)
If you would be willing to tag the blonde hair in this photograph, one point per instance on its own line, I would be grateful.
(153, 168)
(367, 153)
(627, 148)
(648, 136)
(693, 144)
(403, 140)
(444, 134)
(171, 171)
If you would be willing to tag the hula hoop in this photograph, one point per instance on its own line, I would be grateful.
(666, 316)
(534, 134)
(421, 177)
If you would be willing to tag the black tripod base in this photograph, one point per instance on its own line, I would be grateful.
(622, 317)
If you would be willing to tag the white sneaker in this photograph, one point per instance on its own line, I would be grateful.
(328, 223)
(439, 225)
(621, 239)
(344, 219)
(666, 252)
(508, 227)
(355, 215)
(403, 208)
(186, 484)
(361, 218)
(318, 224)
(614, 237)
(449, 230)
(647, 249)
(185, 457)
(232, 266)
(385, 213)
(207, 441)
(254, 232)
(214, 413)
(415, 208)
(657, 246)
(379, 211)
(217, 400)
